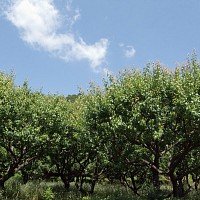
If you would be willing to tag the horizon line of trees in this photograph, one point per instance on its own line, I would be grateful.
(141, 128)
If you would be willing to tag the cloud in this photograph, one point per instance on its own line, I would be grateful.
(121, 44)
(39, 23)
(128, 50)
(72, 14)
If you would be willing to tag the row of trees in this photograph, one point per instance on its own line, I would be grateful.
(142, 127)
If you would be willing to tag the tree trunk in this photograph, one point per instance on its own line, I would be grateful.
(77, 182)
(174, 185)
(93, 183)
(187, 181)
(65, 181)
(25, 176)
(154, 169)
(94, 178)
(134, 188)
(2, 184)
(4, 178)
(180, 188)
(82, 182)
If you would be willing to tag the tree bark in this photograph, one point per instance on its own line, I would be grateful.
(93, 183)
(4, 178)
(174, 185)
(155, 169)
(65, 181)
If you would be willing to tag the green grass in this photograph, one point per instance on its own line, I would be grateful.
(35, 190)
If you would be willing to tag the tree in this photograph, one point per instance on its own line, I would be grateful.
(21, 140)
(155, 115)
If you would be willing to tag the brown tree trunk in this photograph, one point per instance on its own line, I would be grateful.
(174, 185)
(2, 184)
(4, 178)
(155, 169)
(93, 183)
(65, 181)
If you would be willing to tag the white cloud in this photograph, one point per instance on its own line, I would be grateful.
(107, 72)
(121, 44)
(130, 52)
(39, 23)
(72, 14)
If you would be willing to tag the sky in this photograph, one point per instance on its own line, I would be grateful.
(60, 46)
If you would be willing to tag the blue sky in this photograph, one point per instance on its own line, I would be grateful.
(61, 45)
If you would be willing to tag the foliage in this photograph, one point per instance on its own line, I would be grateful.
(48, 194)
(140, 129)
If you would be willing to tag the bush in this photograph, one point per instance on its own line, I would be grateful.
(48, 194)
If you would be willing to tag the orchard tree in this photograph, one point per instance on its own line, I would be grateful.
(69, 150)
(63, 139)
(108, 121)
(154, 114)
(183, 125)
(21, 140)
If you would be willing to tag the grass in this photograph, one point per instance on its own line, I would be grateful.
(35, 190)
